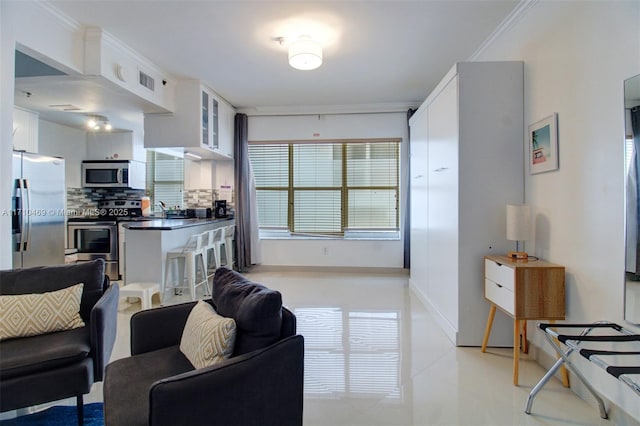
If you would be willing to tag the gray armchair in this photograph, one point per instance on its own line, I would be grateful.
(63, 364)
(261, 384)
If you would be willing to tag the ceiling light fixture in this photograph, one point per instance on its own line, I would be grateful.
(97, 122)
(305, 54)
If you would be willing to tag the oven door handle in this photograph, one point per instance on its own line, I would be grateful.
(90, 225)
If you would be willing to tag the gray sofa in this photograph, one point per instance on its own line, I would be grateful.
(261, 384)
(48, 367)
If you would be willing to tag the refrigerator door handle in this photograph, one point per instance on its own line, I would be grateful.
(27, 216)
(21, 216)
(18, 215)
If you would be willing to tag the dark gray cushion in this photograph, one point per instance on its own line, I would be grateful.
(127, 383)
(41, 279)
(31, 355)
(256, 309)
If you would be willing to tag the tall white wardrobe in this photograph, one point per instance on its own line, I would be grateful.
(467, 164)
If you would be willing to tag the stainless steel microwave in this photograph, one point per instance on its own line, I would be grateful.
(113, 174)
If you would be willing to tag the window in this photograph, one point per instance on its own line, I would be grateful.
(165, 179)
(331, 188)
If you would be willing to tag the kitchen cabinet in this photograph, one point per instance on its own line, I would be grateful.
(226, 126)
(466, 165)
(116, 146)
(25, 130)
(196, 124)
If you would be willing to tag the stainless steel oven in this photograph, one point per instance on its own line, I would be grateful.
(95, 239)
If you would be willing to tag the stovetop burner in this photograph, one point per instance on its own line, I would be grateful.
(120, 208)
(114, 210)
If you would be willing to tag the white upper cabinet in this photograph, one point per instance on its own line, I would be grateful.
(115, 146)
(25, 130)
(201, 123)
(226, 119)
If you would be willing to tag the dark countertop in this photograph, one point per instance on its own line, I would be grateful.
(171, 224)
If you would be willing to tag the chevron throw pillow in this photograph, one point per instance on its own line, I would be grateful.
(32, 314)
(207, 338)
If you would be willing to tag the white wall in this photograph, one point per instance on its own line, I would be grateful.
(37, 28)
(67, 142)
(576, 56)
(338, 252)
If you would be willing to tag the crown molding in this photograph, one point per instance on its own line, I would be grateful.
(377, 108)
(516, 14)
(61, 17)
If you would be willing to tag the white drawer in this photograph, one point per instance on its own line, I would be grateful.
(500, 295)
(499, 274)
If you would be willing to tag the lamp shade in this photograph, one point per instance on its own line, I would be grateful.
(518, 222)
(305, 54)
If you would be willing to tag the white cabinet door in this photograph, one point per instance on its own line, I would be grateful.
(442, 248)
(115, 146)
(419, 200)
(226, 116)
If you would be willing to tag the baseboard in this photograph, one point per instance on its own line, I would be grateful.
(442, 322)
(332, 269)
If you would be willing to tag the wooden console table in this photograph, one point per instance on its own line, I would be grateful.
(524, 290)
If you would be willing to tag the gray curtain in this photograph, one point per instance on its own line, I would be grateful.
(407, 204)
(633, 198)
(243, 193)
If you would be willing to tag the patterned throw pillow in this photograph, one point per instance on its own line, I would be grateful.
(207, 338)
(25, 315)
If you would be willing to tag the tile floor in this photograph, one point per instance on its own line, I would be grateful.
(375, 356)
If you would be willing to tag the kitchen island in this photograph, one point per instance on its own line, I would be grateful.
(147, 243)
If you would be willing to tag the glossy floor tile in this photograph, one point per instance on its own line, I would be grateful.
(375, 356)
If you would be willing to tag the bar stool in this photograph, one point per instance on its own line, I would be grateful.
(229, 233)
(189, 259)
(214, 242)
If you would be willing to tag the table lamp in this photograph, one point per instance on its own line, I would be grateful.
(518, 228)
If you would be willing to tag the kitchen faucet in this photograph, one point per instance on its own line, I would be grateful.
(164, 209)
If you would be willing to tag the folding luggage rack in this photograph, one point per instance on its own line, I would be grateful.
(608, 345)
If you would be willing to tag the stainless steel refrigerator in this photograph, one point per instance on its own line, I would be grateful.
(38, 202)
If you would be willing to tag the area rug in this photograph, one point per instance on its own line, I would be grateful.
(60, 415)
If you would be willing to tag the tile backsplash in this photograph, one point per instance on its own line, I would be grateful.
(88, 198)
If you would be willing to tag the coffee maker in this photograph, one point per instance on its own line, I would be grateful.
(220, 208)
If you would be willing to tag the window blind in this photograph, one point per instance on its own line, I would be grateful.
(327, 187)
(270, 166)
(165, 179)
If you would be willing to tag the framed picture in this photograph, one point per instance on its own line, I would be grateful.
(543, 145)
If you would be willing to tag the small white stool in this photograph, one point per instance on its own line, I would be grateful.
(143, 291)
